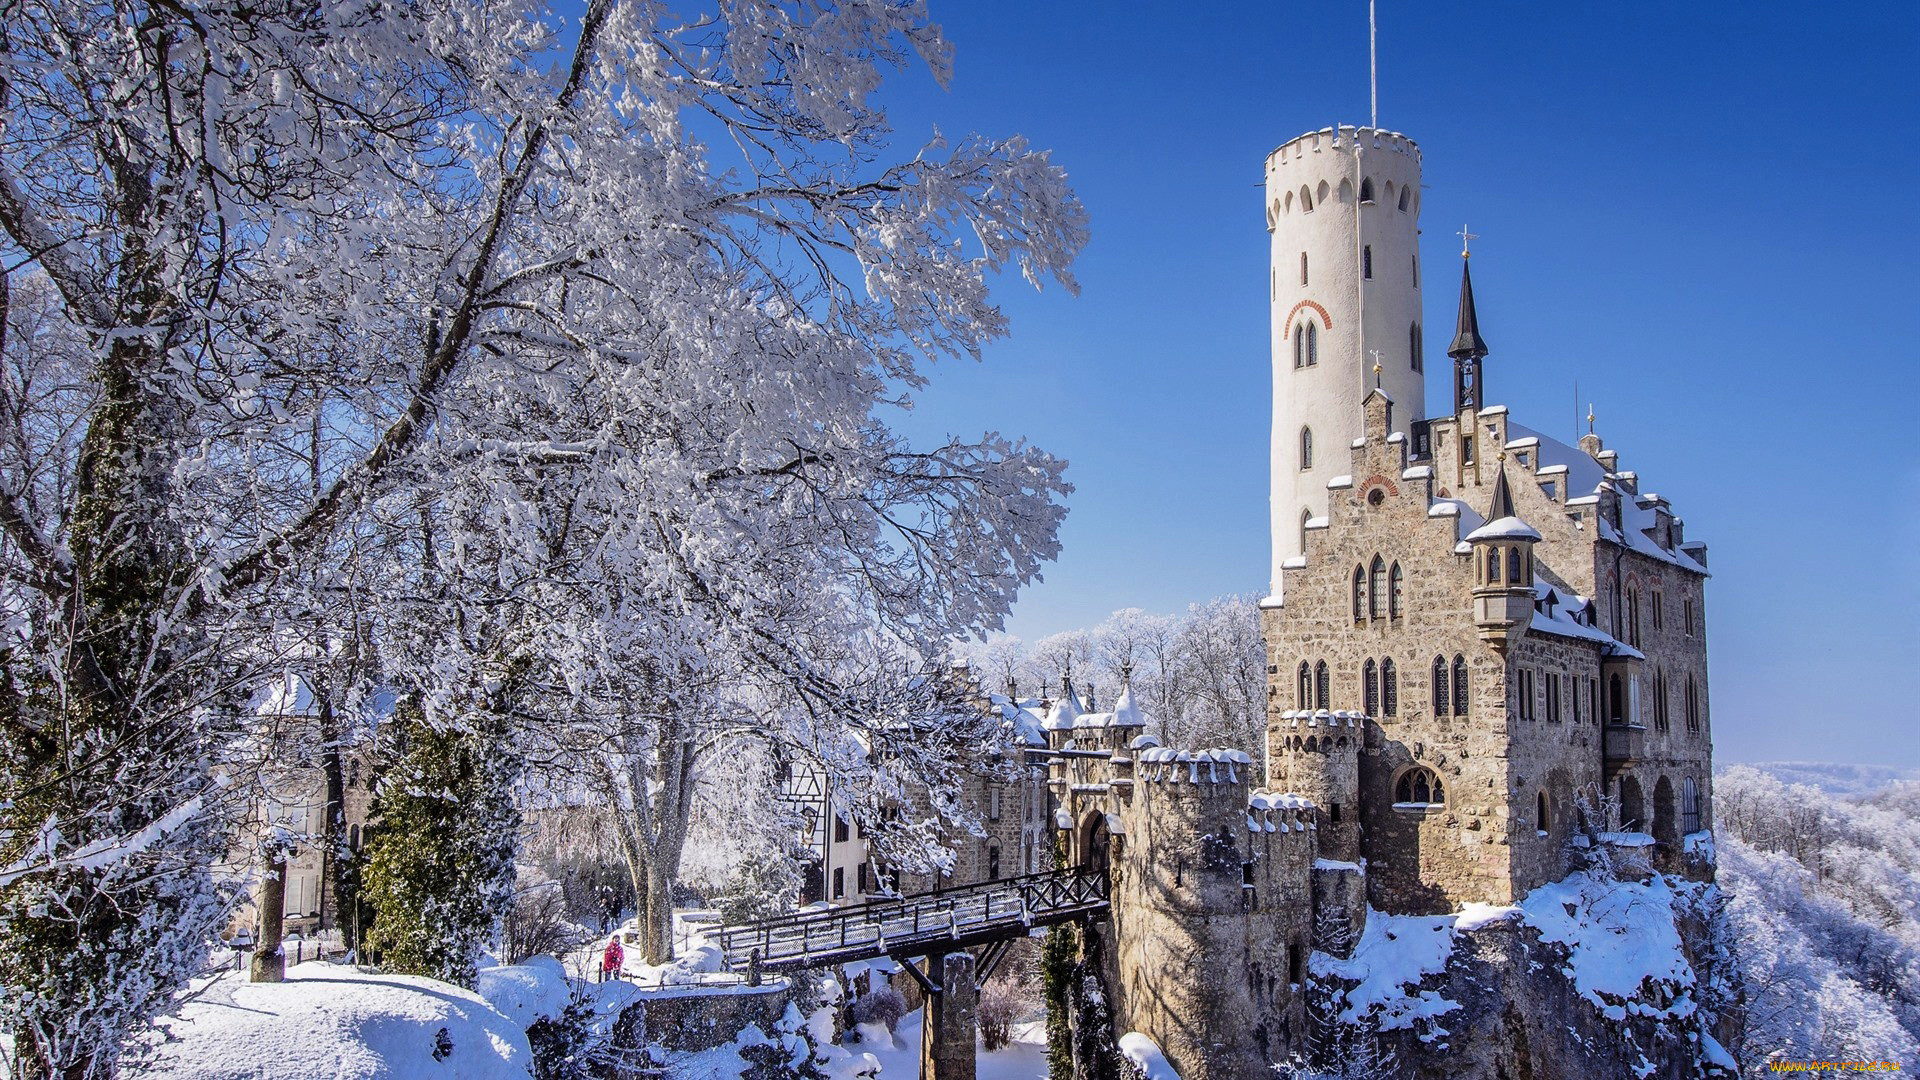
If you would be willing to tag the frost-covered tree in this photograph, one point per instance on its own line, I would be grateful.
(1821, 917)
(439, 865)
(559, 343)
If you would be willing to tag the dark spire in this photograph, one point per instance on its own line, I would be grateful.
(1467, 348)
(1467, 343)
(1502, 498)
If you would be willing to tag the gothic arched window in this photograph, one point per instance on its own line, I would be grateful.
(1396, 592)
(1320, 685)
(1299, 345)
(1405, 195)
(1689, 805)
(1306, 448)
(1389, 688)
(1660, 699)
(1366, 189)
(1493, 566)
(1419, 786)
(1442, 704)
(1313, 343)
(1513, 567)
(1303, 695)
(1306, 200)
(1540, 819)
(1377, 589)
(1459, 686)
(1415, 350)
(1305, 516)
(1693, 706)
(1303, 268)
(1359, 594)
(1370, 685)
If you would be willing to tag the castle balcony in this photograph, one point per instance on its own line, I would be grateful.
(1624, 745)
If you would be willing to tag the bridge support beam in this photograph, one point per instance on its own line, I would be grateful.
(952, 1019)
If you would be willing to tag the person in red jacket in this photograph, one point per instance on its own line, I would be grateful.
(615, 960)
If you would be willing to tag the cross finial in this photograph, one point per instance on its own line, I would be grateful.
(1376, 367)
(1466, 238)
(1589, 417)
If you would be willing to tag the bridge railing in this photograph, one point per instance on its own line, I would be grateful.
(901, 925)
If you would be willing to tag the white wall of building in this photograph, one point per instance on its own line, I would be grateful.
(1314, 208)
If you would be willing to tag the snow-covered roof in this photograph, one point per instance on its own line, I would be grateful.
(1322, 718)
(1558, 614)
(1586, 476)
(1215, 766)
(1025, 726)
(289, 695)
(1064, 714)
(1506, 528)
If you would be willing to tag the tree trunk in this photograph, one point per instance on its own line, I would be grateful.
(269, 964)
(336, 854)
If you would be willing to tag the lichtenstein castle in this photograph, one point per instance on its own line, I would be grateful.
(1475, 635)
(1524, 625)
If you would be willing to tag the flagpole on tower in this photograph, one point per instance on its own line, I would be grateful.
(1373, 66)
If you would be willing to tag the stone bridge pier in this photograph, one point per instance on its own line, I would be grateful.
(951, 1019)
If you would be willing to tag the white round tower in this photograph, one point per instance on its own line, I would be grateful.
(1343, 208)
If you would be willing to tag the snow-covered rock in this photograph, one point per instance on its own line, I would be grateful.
(328, 1020)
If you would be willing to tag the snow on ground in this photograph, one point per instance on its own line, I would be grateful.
(1623, 945)
(1393, 955)
(1620, 935)
(525, 992)
(334, 1021)
(1023, 1059)
(1147, 1057)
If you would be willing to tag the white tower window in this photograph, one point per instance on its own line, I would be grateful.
(1405, 192)
(1306, 448)
(1415, 349)
(1366, 262)
(1303, 268)
(1416, 269)
(1366, 190)
(1306, 201)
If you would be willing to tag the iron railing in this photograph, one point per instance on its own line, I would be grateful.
(947, 918)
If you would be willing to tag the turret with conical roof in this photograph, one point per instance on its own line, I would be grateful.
(1503, 569)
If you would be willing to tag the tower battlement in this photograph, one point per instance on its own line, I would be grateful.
(1342, 136)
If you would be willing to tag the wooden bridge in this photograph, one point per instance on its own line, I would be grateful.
(939, 926)
(924, 924)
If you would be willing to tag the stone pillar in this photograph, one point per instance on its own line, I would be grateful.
(948, 1032)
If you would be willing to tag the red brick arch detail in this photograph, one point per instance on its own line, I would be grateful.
(1378, 480)
(1326, 320)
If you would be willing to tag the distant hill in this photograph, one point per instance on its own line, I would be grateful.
(1835, 778)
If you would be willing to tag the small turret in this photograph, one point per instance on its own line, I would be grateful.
(1503, 570)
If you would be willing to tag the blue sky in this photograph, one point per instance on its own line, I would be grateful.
(1705, 214)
